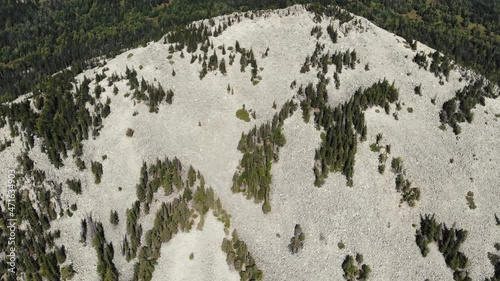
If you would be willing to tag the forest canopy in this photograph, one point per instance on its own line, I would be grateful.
(39, 38)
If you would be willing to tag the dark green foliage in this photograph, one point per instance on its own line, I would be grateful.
(105, 253)
(320, 60)
(80, 164)
(97, 171)
(37, 256)
(332, 33)
(222, 66)
(459, 108)
(495, 261)
(343, 124)
(470, 200)
(409, 194)
(240, 258)
(421, 59)
(466, 32)
(297, 241)
(354, 269)
(74, 185)
(62, 121)
(440, 65)
(317, 31)
(67, 272)
(172, 217)
(448, 240)
(149, 93)
(418, 90)
(260, 147)
(243, 114)
(113, 218)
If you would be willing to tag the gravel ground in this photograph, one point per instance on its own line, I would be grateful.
(366, 217)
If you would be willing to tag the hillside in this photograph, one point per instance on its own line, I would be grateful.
(166, 135)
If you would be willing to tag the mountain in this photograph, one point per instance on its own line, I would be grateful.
(289, 144)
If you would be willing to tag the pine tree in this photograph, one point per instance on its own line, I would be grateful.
(222, 66)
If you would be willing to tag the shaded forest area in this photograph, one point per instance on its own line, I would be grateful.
(39, 38)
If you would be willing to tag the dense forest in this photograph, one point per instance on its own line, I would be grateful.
(39, 38)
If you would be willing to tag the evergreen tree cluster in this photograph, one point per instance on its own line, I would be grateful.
(342, 124)
(37, 255)
(317, 31)
(321, 9)
(354, 268)
(440, 65)
(448, 241)
(459, 108)
(97, 171)
(75, 185)
(105, 252)
(463, 31)
(320, 61)
(260, 147)
(132, 240)
(297, 240)
(332, 33)
(191, 200)
(147, 92)
(495, 261)
(60, 119)
(408, 194)
(240, 258)
(384, 150)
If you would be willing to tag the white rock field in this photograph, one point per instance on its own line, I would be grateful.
(367, 217)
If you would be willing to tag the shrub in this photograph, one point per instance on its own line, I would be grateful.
(243, 114)
(129, 132)
(297, 241)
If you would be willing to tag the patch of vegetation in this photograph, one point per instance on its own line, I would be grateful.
(448, 241)
(495, 261)
(130, 132)
(332, 33)
(61, 119)
(74, 185)
(97, 171)
(459, 108)
(243, 114)
(354, 268)
(470, 200)
(240, 258)
(67, 272)
(105, 252)
(297, 240)
(317, 31)
(113, 218)
(343, 124)
(149, 93)
(320, 61)
(191, 200)
(409, 194)
(260, 148)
